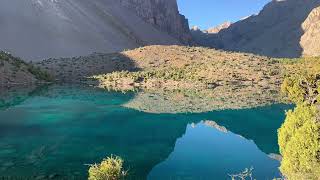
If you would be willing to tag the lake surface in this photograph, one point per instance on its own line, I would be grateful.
(58, 130)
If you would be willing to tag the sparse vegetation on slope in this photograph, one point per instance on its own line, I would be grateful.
(13, 71)
(179, 66)
(301, 66)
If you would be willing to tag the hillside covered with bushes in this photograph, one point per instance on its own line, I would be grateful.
(14, 71)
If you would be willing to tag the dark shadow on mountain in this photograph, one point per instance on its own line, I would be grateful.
(78, 69)
(275, 32)
(80, 27)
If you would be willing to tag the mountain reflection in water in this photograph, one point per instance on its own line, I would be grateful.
(59, 129)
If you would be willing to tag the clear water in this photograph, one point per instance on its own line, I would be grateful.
(58, 130)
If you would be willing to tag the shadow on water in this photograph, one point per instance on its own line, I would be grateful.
(264, 34)
(59, 129)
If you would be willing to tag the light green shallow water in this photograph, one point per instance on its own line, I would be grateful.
(57, 130)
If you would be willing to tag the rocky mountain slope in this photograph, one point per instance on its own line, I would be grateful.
(164, 14)
(14, 71)
(65, 28)
(284, 28)
(311, 37)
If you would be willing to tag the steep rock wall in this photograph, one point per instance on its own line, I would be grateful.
(163, 14)
(310, 41)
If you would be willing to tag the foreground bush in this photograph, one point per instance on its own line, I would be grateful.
(299, 141)
(109, 169)
(299, 136)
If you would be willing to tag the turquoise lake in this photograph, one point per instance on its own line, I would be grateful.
(59, 130)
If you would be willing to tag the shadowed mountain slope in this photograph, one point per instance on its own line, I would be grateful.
(14, 71)
(284, 28)
(40, 29)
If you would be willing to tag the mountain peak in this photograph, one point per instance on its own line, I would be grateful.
(218, 28)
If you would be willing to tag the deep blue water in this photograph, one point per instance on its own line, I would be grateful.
(58, 130)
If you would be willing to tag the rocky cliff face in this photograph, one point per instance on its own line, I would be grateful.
(284, 28)
(163, 14)
(41, 29)
(310, 41)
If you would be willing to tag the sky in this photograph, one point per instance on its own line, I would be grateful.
(210, 13)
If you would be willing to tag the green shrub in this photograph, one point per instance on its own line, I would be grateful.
(299, 141)
(110, 168)
(299, 136)
(291, 88)
(39, 74)
(302, 88)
